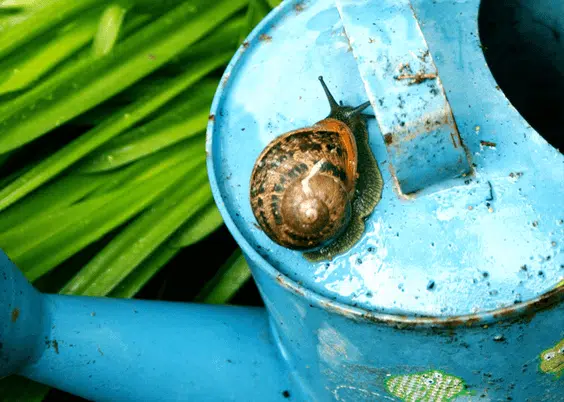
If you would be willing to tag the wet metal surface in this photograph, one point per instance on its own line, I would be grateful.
(462, 246)
(404, 87)
(448, 282)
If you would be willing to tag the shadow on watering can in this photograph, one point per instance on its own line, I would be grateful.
(454, 292)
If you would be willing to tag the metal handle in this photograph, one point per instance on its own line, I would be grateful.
(422, 140)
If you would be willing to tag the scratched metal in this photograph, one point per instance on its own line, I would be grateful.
(404, 87)
(128, 350)
(453, 280)
(444, 253)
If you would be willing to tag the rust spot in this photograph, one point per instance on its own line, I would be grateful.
(405, 68)
(299, 7)
(211, 117)
(370, 40)
(453, 140)
(389, 139)
(225, 80)
(488, 144)
(246, 45)
(424, 56)
(284, 283)
(15, 314)
(417, 78)
(265, 38)
(55, 345)
(514, 175)
(505, 316)
(152, 57)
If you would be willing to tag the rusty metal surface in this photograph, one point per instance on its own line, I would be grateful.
(404, 86)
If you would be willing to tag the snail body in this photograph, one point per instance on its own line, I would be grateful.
(305, 183)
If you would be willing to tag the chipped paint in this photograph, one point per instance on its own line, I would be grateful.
(15, 314)
(436, 277)
(333, 347)
(410, 104)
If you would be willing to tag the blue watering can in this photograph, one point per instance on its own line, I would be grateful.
(454, 292)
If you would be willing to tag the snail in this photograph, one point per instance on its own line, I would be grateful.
(312, 188)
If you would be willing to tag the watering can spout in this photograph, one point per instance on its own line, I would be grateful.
(135, 350)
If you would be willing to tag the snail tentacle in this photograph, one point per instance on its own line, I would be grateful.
(357, 110)
(332, 102)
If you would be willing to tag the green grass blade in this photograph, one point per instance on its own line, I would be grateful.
(256, 11)
(154, 165)
(127, 153)
(27, 66)
(23, 4)
(121, 121)
(142, 237)
(135, 281)
(109, 28)
(26, 235)
(200, 226)
(68, 189)
(161, 140)
(39, 18)
(68, 94)
(187, 117)
(223, 39)
(273, 3)
(227, 281)
(90, 224)
(14, 175)
(59, 194)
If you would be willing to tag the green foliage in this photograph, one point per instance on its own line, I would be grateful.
(103, 111)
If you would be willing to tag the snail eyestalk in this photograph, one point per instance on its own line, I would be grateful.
(332, 102)
(358, 110)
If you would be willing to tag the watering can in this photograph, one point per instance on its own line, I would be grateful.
(455, 290)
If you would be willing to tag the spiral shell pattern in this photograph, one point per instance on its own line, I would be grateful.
(303, 183)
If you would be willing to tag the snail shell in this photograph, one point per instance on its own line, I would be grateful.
(303, 182)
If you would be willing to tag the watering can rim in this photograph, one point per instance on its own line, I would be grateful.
(529, 307)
